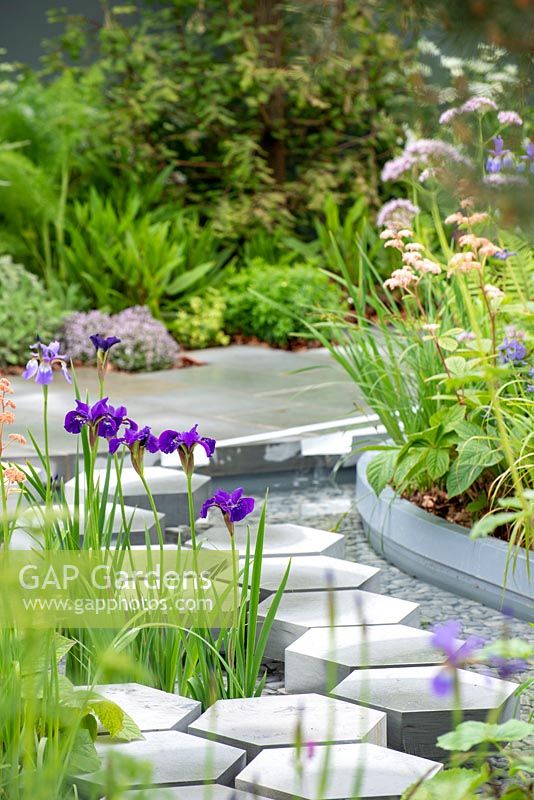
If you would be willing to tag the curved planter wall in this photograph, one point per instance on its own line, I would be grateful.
(442, 553)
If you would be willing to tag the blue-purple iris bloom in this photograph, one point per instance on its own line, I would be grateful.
(506, 667)
(44, 359)
(232, 505)
(499, 157)
(137, 440)
(530, 386)
(184, 442)
(512, 350)
(445, 638)
(103, 343)
(527, 160)
(503, 255)
(102, 419)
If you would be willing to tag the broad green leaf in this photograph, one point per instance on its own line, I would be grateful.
(380, 470)
(453, 784)
(509, 648)
(486, 525)
(469, 734)
(83, 757)
(457, 366)
(437, 462)
(114, 719)
(448, 343)
(448, 417)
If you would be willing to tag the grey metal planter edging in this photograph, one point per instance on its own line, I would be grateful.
(442, 553)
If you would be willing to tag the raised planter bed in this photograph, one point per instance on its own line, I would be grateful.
(442, 553)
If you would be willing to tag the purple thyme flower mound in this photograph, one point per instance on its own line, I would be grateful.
(145, 344)
(185, 442)
(101, 418)
(513, 350)
(41, 364)
(445, 638)
(232, 505)
(397, 213)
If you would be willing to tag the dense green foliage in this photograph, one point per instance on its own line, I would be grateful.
(199, 322)
(26, 312)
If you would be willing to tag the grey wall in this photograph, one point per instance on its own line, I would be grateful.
(23, 25)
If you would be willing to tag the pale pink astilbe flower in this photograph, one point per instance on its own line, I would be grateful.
(509, 118)
(401, 279)
(464, 262)
(493, 292)
(426, 265)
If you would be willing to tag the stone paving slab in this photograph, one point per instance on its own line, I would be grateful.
(300, 611)
(260, 723)
(152, 709)
(140, 521)
(416, 716)
(323, 657)
(280, 540)
(212, 791)
(177, 759)
(168, 487)
(383, 774)
(315, 573)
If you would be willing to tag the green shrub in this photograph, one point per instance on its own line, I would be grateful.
(200, 322)
(301, 287)
(26, 311)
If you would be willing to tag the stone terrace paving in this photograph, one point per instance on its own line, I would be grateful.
(379, 724)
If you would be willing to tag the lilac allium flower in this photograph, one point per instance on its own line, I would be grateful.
(499, 156)
(397, 167)
(397, 213)
(513, 349)
(41, 364)
(444, 638)
(435, 150)
(184, 443)
(509, 118)
(102, 419)
(233, 506)
(137, 440)
(478, 105)
(102, 343)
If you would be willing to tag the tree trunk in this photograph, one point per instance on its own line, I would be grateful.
(269, 19)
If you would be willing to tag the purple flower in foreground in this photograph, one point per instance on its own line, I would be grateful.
(137, 440)
(185, 442)
(506, 667)
(42, 363)
(527, 159)
(445, 638)
(233, 506)
(102, 343)
(102, 419)
(513, 349)
(503, 255)
(499, 156)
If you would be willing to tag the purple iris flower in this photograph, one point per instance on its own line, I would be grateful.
(506, 667)
(42, 363)
(527, 159)
(137, 440)
(233, 506)
(185, 442)
(512, 350)
(499, 157)
(503, 255)
(445, 638)
(102, 419)
(103, 343)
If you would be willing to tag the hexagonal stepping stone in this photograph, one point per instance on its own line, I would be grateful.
(139, 521)
(168, 486)
(260, 723)
(213, 791)
(280, 540)
(416, 716)
(323, 657)
(152, 709)
(176, 758)
(300, 611)
(383, 774)
(316, 573)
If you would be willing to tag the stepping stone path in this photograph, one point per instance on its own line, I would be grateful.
(273, 721)
(300, 611)
(316, 573)
(177, 759)
(139, 521)
(384, 774)
(152, 709)
(168, 486)
(416, 716)
(280, 540)
(323, 657)
(212, 791)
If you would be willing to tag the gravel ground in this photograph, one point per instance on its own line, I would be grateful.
(332, 507)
